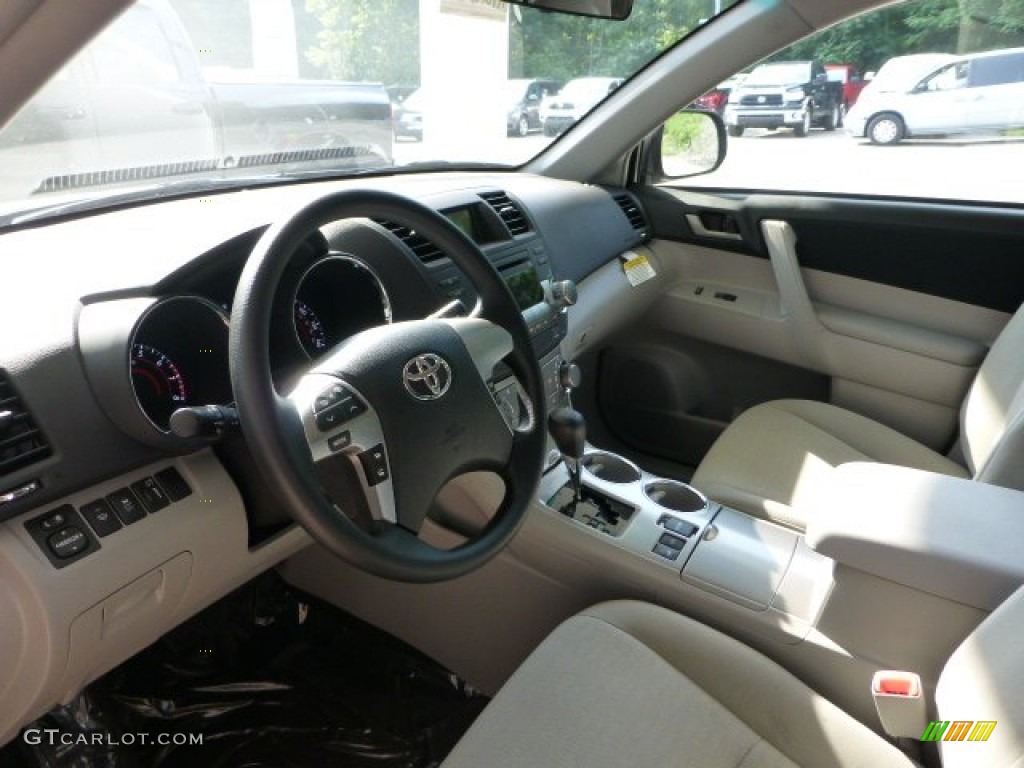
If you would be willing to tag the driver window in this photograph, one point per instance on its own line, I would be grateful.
(948, 78)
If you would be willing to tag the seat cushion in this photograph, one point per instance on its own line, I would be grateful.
(632, 684)
(773, 453)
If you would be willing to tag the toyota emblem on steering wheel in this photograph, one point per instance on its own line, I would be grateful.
(427, 376)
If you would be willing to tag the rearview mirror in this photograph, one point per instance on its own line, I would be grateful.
(602, 9)
(691, 142)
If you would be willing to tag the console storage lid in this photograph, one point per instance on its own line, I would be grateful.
(955, 538)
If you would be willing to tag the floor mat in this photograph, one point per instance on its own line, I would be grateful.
(266, 677)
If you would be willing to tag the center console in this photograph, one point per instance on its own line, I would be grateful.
(751, 563)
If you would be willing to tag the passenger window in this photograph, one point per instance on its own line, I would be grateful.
(998, 70)
(914, 127)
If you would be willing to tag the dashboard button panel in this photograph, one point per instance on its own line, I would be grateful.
(170, 480)
(127, 507)
(152, 495)
(68, 542)
(63, 542)
(101, 517)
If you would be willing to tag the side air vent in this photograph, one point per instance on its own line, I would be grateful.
(425, 250)
(509, 212)
(21, 441)
(633, 212)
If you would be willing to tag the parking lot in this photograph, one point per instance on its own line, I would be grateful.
(963, 167)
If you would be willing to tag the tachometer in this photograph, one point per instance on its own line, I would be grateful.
(158, 382)
(310, 329)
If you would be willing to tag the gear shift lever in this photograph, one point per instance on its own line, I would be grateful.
(568, 428)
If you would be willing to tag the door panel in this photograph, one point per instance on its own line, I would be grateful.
(883, 317)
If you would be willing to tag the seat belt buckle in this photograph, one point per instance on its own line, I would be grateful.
(899, 699)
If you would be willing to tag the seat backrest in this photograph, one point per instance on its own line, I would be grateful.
(983, 683)
(992, 418)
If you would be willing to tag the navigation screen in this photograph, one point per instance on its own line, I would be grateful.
(525, 287)
(463, 219)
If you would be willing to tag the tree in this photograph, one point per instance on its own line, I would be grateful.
(374, 40)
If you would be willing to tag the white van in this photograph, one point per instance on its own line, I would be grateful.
(931, 94)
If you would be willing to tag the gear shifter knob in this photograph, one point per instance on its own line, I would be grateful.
(568, 429)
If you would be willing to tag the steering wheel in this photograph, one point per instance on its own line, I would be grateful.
(407, 405)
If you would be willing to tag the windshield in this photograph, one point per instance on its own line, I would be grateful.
(780, 74)
(204, 92)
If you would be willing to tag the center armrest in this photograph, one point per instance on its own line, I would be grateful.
(958, 539)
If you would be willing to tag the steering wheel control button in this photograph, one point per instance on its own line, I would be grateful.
(427, 376)
(673, 542)
(68, 542)
(375, 464)
(101, 517)
(334, 394)
(336, 405)
(339, 441)
(126, 506)
(173, 483)
(152, 495)
(667, 552)
(674, 524)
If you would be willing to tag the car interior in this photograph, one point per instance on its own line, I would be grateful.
(571, 463)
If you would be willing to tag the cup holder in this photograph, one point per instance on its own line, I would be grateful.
(679, 497)
(609, 467)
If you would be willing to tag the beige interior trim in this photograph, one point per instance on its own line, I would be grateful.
(955, 538)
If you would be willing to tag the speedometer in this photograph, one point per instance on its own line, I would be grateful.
(158, 382)
(310, 329)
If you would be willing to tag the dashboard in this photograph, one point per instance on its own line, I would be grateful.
(114, 527)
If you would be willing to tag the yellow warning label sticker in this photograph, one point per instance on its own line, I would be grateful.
(637, 267)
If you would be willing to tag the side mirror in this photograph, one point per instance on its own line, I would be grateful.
(689, 143)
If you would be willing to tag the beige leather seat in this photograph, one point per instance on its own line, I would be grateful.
(767, 458)
(630, 685)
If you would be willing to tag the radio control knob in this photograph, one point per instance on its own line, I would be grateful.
(560, 293)
(569, 375)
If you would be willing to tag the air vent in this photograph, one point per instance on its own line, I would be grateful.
(633, 212)
(510, 213)
(425, 250)
(21, 441)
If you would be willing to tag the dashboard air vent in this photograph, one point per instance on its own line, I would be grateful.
(424, 249)
(21, 441)
(633, 212)
(509, 212)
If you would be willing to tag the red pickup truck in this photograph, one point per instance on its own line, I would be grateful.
(852, 80)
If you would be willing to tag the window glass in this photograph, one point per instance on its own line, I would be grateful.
(905, 129)
(997, 70)
(137, 38)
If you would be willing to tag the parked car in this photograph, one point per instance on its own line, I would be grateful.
(524, 97)
(931, 96)
(717, 98)
(851, 78)
(408, 118)
(785, 94)
(98, 114)
(578, 97)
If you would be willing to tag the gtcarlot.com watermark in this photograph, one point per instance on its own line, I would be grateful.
(55, 737)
